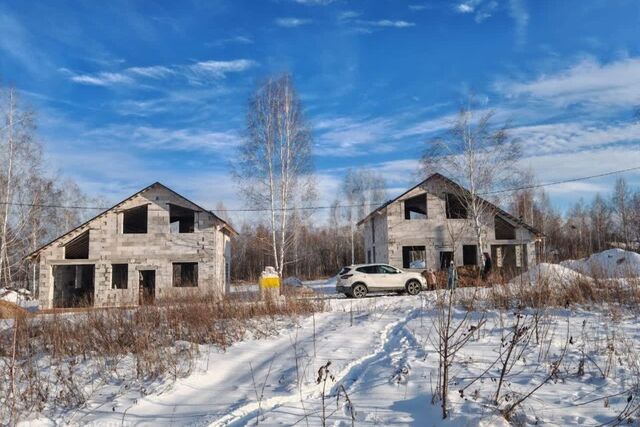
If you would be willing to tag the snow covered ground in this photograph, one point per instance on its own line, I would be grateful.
(382, 355)
(383, 367)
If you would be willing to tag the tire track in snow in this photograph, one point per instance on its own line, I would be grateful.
(390, 339)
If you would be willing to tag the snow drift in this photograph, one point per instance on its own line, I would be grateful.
(554, 274)
(19, 297)
(609, 264)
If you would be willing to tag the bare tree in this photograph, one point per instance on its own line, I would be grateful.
(362, 191)
(600, 222)
(222, 212)
(274, 165)
(478, 156)
(19, 154)
(621, 201)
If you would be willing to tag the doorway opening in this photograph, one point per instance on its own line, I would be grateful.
(147, 287)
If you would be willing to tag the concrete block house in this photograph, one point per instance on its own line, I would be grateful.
(414, 232)
(155, 244)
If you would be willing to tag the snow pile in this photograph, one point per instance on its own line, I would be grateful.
(550, 273)
(609, 264)
(18, 296)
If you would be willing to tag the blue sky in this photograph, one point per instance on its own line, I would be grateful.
(128, 93)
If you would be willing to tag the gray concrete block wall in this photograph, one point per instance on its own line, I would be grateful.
(155, 250)
(434, 232)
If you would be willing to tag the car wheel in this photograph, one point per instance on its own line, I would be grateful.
(414, 287)
(359, 291)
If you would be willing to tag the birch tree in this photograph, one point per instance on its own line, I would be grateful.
(274, 165)
(621, 201)
(19, 155)
(362, 191)
(480, 157)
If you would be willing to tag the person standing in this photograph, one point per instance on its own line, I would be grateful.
(452, 277)
(487, 266)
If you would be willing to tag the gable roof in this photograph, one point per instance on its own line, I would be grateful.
(453, 183)
(226, 225)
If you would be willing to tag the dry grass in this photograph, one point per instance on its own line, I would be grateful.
(155, 341)
(551, 292)
(10, 310)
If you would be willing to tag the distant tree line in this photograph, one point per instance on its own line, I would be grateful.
(607, 221)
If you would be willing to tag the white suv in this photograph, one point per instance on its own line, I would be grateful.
(359, 280)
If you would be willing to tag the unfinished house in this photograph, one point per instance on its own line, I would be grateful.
(428, 226)
(155, 244)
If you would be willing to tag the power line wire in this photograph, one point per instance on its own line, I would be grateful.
(526, 187)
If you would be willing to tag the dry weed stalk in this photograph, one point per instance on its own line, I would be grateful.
(133, 345)
(451, 336)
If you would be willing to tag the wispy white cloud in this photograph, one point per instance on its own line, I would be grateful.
(556, 167)
(231, 40)
(388, 23)
(480, 9)
(418, 7)
(428, 126)
(292, 22)
(588, 81)
(520, 15)
(219, 69)
(348, 15)
(347, 136)
(101, 79)
(575, 136)
(194, 73)
(162, 138)
(364, 26)
(154, 71)
(16, 42)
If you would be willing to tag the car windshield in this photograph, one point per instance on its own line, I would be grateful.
(388, 270)
(344, 270)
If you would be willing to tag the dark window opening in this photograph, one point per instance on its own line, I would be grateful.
(369, 256)
(373, 230)
(414, 257)
(119, 276)
(455, 207)
(504, 230)
(181, 220)
(73, 285)
(470, 254)
(185, 274)
(416, 207)
(134, 220)
(445, 259)
(78, 248)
